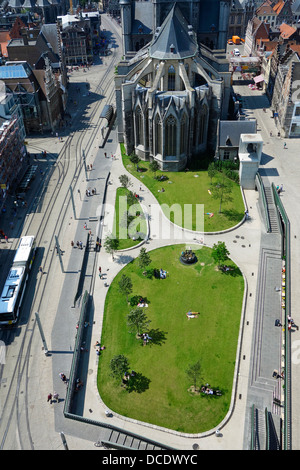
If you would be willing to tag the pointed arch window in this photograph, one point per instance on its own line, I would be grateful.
(158, 135)
(170, 136)
(171, 78)
(139, 128)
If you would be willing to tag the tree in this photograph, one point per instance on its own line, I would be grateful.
(144, 258)
(135, 160)
(137, 321)
(125, 181)
(220, 252)
(193, 372)
(154, 167)
(118, 366)
(222, 190)
(111, 245)
(131, 199)
(211, 171)
(125, 285)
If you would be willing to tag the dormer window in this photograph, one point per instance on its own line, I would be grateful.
(228, 141)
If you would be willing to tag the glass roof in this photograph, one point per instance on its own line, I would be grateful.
(14, 71)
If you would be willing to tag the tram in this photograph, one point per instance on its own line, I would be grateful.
(15, 284)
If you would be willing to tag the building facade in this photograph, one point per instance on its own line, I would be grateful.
(12, 156)
(140, 19)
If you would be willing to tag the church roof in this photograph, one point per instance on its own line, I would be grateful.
(174, 39)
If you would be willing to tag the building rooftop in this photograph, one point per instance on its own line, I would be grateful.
(230, 131)
(174, 39)
(15, 70)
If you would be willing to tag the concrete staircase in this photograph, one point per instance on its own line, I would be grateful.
(271, 209)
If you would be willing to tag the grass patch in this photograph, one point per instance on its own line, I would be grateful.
(190, 188)
(139, 223)
(162, 397)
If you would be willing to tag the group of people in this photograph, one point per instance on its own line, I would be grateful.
(160, 273)
(142, 303)
(127, 376)
(163, 273)
(210, 391)
(78, 244)
(53, 397)
(90, 192)
(145, 337)
(279, 189)
(99, 348)
(291, 323)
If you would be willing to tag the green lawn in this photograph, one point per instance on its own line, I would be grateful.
(190, 188)
(138, 225)
(177, 342)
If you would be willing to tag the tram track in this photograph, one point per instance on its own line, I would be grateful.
(47, 222)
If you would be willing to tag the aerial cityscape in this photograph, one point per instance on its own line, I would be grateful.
(149, 227)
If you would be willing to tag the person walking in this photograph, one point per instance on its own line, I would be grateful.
(41, 269)
(55, 396)
(63, 377)
(100, 272)
(49, 398)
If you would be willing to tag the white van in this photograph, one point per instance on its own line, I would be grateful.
(236, 52)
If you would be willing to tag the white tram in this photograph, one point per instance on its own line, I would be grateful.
(15, 284)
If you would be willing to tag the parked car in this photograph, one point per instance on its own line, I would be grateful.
(236, 52)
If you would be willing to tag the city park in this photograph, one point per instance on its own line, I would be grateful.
(172, 315)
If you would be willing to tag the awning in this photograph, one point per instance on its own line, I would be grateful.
(259, 78)
(107, 112)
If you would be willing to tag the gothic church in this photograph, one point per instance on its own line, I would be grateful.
(172, 91)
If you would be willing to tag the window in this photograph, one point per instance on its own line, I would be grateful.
(171, 78)
(157, 136)
(139, 134)
(226, 155)
(297, 111)
(170, 136)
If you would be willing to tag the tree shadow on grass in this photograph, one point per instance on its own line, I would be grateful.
(138, 383)
(157, 336)
(233, 271)
(233, 214)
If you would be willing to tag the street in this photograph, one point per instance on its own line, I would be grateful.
(26, 421)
